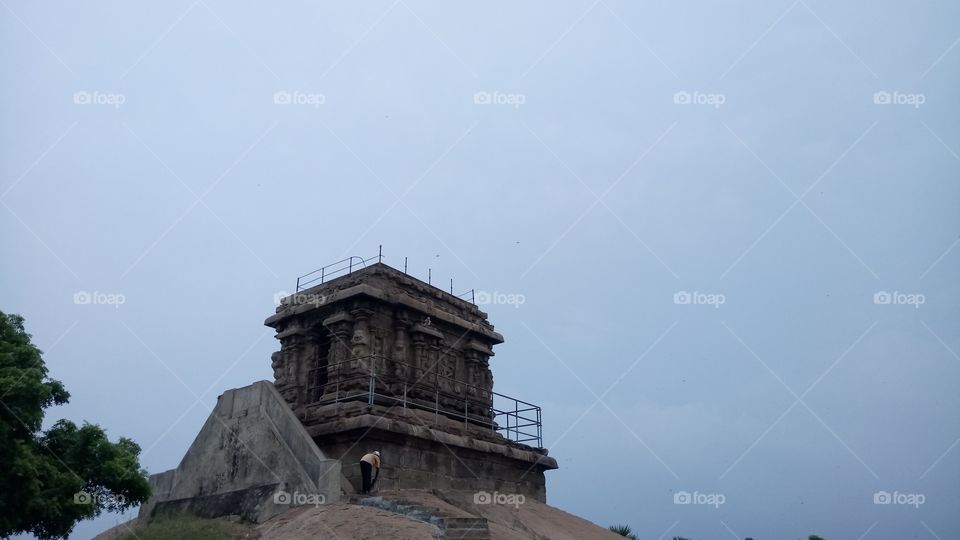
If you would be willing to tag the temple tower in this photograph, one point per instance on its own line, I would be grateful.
(376, 359)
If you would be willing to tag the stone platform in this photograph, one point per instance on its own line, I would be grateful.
(421, 450)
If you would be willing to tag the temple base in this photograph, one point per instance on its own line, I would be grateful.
(421, 450)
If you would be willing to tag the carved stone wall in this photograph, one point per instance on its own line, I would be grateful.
(420, 343)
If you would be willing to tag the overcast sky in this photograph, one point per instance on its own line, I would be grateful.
(729, 228)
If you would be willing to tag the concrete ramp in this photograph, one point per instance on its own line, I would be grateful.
(252, 458)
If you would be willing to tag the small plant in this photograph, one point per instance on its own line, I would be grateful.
(623, 530)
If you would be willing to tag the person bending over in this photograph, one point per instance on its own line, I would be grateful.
(367, 463)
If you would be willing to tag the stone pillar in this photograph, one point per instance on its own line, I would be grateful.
(426, 343)
(284, 374)
(339, 326)
(446, 374)
(400, 356)
(419, 373)
(360, 340)
(278, 364)
(311, 355)
(480, 378)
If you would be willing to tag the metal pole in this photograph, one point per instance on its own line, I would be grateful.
(380, 254)
(429, 276)
(539, 428)
(404, 265)
(516, 419)
(451, 285)
(323, 273)
(372, 376)
(351, 265)
(473, 297)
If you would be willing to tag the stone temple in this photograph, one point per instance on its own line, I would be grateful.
(377, 359)
(370, 358)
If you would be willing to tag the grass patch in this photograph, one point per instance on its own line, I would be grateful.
(190, 527)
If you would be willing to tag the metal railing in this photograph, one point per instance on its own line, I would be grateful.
(471, 294)
(514, 419)
(341, 267)
(351, 264)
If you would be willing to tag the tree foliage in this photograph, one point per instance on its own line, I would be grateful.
(52, 479)
(623, 530)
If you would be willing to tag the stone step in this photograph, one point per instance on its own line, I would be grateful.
(461, 528)
(419, 512)
(465, 523)
(452, 528)
(469, 535)
(473, 532)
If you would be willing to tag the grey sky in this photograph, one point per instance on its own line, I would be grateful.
(737, 150)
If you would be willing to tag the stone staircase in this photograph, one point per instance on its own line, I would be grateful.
(466, 528)
(451, 527)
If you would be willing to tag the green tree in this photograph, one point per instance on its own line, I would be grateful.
(53, 479)
(814, 537)
(623, 530)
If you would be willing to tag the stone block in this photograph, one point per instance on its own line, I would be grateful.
(250, 452)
